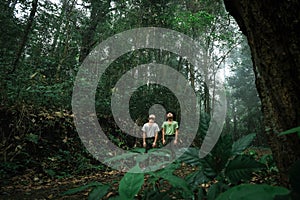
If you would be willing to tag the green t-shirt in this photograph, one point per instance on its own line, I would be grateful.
(170, 128)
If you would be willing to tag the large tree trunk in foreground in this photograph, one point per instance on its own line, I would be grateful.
(272, 31)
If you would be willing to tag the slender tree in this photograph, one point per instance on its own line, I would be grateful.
(26, 34)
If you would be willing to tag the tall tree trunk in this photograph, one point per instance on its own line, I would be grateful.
(26, 34)
(272, 31)
(98, 12)
(59, 27)
(69, 7)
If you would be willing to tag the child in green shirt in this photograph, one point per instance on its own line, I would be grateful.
(170, 130)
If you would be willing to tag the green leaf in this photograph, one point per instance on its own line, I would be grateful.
(158, 166)
(169, 169)
(81, 188)
(98, 192)
(293, 130)
(32, 138)
(191, 157)
(122, 157)
(253, 192)
(241, 144)
(213, 191)
(196, 178)
(138, 150)
(130, 185)
(152, 194)
(160, 152)
(142, 157)
(200, 192)
(241, 168)
(221, 153)
(177, 182)
(210, 167)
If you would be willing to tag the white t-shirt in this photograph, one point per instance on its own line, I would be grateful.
(150, 129)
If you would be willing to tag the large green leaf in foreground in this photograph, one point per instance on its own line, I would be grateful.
(130, 185)
(253, 192)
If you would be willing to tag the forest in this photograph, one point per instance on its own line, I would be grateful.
(79, 79)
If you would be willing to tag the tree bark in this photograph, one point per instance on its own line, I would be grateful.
(272, 31)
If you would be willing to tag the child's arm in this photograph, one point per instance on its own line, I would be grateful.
(163, 135)
(155, 139)
(144, 139)
(176, 136)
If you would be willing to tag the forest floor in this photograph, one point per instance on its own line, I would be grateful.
(39, 187)
(30, 186)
